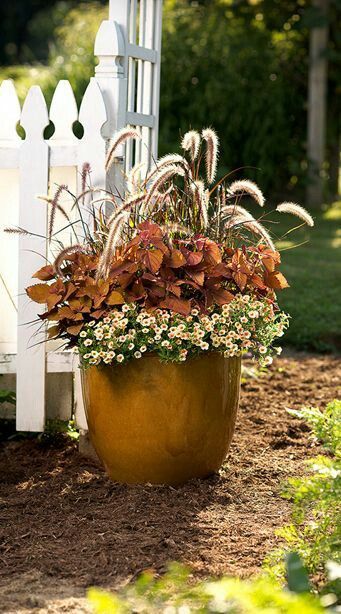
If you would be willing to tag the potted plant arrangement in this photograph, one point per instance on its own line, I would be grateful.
(161, 298)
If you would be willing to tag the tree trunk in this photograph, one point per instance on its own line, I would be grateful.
(317, 93)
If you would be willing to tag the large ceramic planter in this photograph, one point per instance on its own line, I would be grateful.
(162, 423)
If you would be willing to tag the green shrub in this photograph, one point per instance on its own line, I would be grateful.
(175, 594)
(7, 396)
(315, 530)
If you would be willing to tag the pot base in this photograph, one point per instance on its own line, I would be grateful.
(162, 423)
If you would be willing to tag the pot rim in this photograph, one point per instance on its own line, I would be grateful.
(154, 355)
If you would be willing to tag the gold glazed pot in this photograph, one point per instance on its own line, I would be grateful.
(162, 423)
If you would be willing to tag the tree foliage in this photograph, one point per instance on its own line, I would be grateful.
(240, 66)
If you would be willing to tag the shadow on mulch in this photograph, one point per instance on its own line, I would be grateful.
(62, 518)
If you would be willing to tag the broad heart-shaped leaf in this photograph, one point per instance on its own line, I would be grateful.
(89, 290)
(125, 279)
(192, 258)
(240, 279)
(149, 230)
(103, 287)
(152, 259)
(67, 313)
(176, 304)
(197, 276)
(46, 273)
(98, 313)
(269, 264)
(115, 298)
(137, 291)
(174, 288)
(258, 281)
(221, 296)
(83, 304)
(275, 280)
(239, 262)
(269, 253)
(157, 290)
(52, 300)
(124, 266)
(212, 253)
(219, 270)
(50, 315)
(38, 293)
(75, 329)
(175, 260)
(57, 287)
(70, 290)
(53, 331)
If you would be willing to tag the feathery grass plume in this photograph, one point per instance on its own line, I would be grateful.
(296, 210)
(59, 207)
(134, 176)
(211, 156)
(128, 204)
(191, 142)
(111, 244)
(248, 187)
(19, 231)
(168, 160)
(72, 249)
(161, 177)
(54, 205)
(166, 192)
(201, 195)
(234, 210)
(248, 222)
(121, 137)
(86, 168)
(237, 219)
(258, 228)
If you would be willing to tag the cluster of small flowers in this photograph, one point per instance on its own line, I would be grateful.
(244, 325)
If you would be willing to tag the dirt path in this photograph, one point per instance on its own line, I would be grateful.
(66, 527)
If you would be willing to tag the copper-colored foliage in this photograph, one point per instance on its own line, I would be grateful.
(156, 273)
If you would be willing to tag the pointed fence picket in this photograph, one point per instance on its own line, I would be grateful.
(33, 165)
(124, 91)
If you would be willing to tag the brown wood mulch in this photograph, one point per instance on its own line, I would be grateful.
(65, 526)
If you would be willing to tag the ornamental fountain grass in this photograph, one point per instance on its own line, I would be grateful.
(161, 298)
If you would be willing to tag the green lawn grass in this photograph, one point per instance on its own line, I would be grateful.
(313, 271)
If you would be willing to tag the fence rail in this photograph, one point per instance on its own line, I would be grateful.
(124, 91)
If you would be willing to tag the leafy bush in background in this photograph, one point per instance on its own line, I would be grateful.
(7, 396)
(240, 66)
(175, 594)
(315, 530)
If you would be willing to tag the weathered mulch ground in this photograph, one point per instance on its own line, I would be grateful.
(65, 526)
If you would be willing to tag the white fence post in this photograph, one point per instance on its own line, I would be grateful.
(112, 80)
(9, 147)
(91, 150)
(131, 96)
(124, 91)
(31, 357)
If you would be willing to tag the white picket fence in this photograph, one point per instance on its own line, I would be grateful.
(124, 91)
